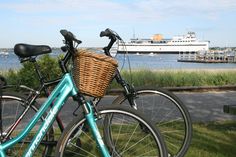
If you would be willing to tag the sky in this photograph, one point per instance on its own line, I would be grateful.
(39, 21)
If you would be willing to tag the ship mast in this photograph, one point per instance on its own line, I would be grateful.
(133, 33)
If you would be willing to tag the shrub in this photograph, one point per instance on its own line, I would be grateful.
(27, 75)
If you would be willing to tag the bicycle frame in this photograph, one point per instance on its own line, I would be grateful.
(59, 95)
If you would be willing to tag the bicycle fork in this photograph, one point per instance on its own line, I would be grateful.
(91, 120)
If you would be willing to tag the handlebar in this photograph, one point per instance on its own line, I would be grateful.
(70, 39)
(114, 36)
(69, 47)
(111, 35)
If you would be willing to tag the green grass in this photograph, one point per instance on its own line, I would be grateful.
(142, 77)
(179, 78)
(216, 139)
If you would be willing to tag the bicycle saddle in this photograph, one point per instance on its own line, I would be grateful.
(26, 50)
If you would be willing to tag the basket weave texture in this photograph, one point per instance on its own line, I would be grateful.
(93, 72)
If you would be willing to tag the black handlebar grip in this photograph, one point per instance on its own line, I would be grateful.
(64, 32)
(69, 36)
(111, 34)
(104, 33)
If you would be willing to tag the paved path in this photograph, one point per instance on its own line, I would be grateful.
(203, 106)
(206, 106)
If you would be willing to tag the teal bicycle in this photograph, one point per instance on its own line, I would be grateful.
(86, 135)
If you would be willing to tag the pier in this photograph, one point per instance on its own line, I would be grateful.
(208, 57)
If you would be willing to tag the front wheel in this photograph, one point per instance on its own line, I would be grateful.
(168, 113)
(126, 137)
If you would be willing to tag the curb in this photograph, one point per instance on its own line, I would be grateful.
(182, 89)
(202, 88)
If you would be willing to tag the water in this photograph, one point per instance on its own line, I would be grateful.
(11, 61)
(152, 62)
(169, 61)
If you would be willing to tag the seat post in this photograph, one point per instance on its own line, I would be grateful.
(37, 69)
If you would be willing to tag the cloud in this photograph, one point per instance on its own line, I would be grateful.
(134, 12)
(130, 10)
(93, 15)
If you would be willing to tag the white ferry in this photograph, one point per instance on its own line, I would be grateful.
(157, 44)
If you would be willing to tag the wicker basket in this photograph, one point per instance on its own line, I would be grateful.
(93, 72)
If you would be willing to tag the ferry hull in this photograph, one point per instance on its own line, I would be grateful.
(148, 52)
(172, 49)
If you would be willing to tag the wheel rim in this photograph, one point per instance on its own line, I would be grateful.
(124, 141)
(168, 115)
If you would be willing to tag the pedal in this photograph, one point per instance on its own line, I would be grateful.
(230, 109)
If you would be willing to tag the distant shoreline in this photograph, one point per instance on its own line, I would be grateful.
(166, 70)
(58, 48)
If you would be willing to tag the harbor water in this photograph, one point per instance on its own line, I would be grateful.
(137, 61)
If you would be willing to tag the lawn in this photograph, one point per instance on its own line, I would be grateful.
(215, 139)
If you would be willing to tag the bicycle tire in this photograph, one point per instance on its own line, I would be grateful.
(165, 104)
(14, 103)
(76, 140)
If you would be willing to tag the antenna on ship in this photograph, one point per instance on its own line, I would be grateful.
(133, 33)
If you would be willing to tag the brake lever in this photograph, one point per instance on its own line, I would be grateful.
(64, 48)
(78, 41)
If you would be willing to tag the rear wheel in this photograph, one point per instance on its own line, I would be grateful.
(123, 138)
(12, 108)
(169, 114)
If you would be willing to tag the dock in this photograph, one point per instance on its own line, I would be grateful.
(208, 57)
